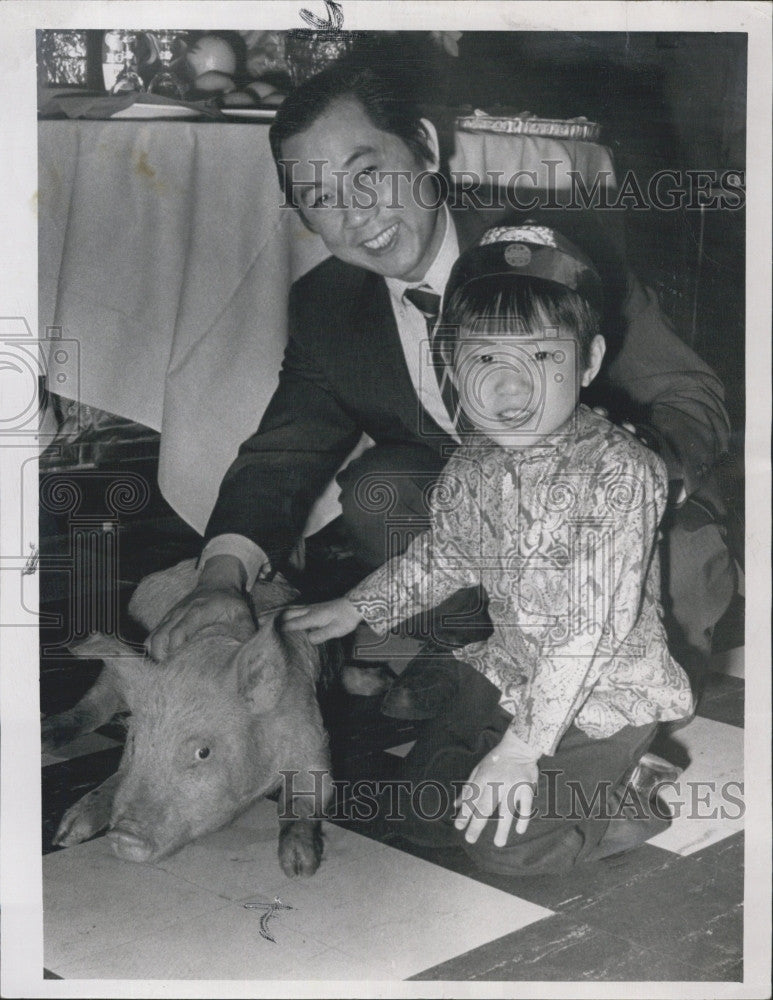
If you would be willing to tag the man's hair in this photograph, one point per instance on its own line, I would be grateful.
(498, 305)
(380, 92)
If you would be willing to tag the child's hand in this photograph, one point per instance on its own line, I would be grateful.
(323, 621)
(506, 777)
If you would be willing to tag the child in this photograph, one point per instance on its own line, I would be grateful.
(555, 511)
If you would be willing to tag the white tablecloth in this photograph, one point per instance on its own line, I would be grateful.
(548, 162)
(165, 253)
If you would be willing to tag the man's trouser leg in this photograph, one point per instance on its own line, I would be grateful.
(699, 581)
(384, 499)
(579, 786)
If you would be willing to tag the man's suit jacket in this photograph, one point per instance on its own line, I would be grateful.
(344, 372)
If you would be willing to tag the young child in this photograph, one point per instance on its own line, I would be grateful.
(555, 510)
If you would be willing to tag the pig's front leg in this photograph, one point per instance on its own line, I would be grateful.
(300, 846)
(89, 815)
(302, 800)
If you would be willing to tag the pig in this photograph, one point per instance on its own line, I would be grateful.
(210, 731)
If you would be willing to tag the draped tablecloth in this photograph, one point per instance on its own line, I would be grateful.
(548, 162)
(165, 252)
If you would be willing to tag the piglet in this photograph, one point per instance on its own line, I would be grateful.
(211, 730)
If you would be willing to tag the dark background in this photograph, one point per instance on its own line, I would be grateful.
(672, 101)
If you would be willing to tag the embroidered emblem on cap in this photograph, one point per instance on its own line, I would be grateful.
(540, 235)
(517, 255)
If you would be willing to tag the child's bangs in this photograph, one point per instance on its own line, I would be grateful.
(498, 305)
(509, 305)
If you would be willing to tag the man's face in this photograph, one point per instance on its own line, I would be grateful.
(350, 185)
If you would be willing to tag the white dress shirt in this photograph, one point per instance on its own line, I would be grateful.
(412, 328)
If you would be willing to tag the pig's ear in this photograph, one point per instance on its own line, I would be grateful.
(262, 664)
(268, 596)
(117, 656)
(158, 593)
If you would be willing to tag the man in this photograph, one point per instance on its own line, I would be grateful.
(355, 159)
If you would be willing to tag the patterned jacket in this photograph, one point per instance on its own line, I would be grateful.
(562, 536)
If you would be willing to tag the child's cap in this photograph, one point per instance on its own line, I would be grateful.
(531, 251)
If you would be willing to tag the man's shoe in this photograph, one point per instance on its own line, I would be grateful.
(626, 833)
(650, 772)
(423, 689)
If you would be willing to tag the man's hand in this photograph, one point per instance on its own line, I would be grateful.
(505, 778)
(219, 597)
(329, 620)
(647, 435)
(626, 424)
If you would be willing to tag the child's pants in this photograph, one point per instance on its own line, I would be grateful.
(567, 824)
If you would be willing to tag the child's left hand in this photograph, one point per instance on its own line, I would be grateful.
(506, 777)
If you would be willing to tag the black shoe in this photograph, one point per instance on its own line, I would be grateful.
(624, 834)
(423, 689)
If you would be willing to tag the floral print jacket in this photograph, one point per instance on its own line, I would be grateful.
(563, 538)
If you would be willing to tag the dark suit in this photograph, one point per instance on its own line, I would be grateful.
(344, 372)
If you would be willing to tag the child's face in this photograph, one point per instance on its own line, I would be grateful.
(516, 388)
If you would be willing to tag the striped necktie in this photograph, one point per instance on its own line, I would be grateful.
(428, 304)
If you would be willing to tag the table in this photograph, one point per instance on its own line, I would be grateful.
(165, 252)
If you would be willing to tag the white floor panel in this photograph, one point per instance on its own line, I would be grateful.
(221, 944)
(370, 912)
(93, 901)
(400, 915)
(707, 793)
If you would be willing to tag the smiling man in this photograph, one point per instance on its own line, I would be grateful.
(355, 159)
(356, 192)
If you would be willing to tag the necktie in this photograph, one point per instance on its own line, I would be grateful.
(428, 304)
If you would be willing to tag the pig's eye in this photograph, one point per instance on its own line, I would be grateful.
(202, 753)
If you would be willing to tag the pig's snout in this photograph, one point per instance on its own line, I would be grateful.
(129, 843)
